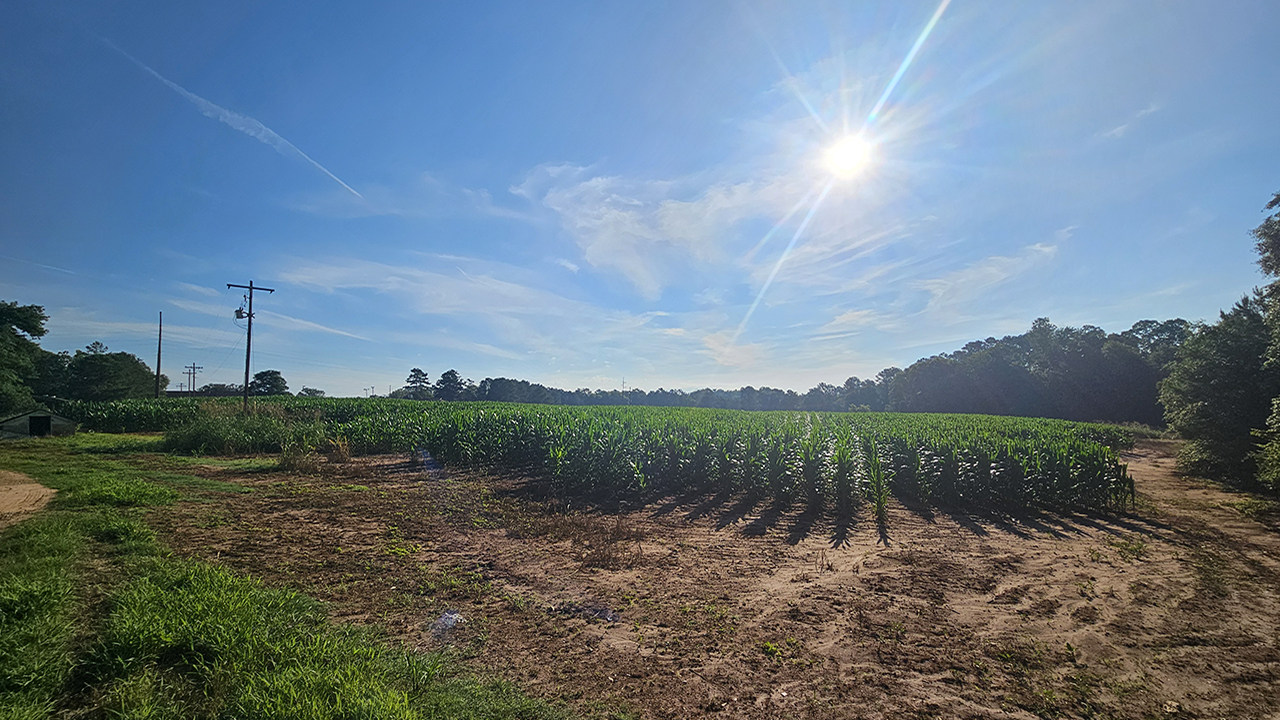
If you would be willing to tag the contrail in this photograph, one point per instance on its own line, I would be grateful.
(906, 62)
(778, 266)
(47, 267)
(243, 123)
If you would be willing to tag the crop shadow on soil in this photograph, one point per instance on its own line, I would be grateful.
(708, 505)
(757, 515)
(802, 524)
(841, 524)
(768, 518)
(736, 512)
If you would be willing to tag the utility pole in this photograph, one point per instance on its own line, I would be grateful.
(191, 373)
(248, 341)
(159, 344)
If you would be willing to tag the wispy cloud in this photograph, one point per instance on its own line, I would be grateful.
(202, 308)
(1120, 131)
(850, 320)
(198, 289)
(245, 124)
(423, 196)
(39, 265)
(725, 350)
(475, 306)
(137, 337)
(268, 317)
(652, 230)
(568, 265)
(956, 289)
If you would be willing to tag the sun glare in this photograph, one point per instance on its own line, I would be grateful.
(849, 156)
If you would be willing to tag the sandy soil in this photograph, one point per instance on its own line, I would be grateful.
(723, 608)
(20, 496)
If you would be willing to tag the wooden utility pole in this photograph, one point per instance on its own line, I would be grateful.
(248, 340)
(191, 373)
(159, 342)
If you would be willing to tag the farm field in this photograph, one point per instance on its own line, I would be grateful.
(728, 610)
(823, 460)
(655, 563)
(694, 607)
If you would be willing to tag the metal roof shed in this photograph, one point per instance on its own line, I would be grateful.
(36, 423)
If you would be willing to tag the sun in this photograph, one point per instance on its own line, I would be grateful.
(849, 156)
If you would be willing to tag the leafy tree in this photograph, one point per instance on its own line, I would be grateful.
(417, 386)
(20, 327)
(96, 374)
(451, 386)
(1268, 236)
(268, 382)
(310, 392)
(221, 390)
(1158, 342)
(1268, 246)
(822, 396)
(53, 375)
(1218, 393)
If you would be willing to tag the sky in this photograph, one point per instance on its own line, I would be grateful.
(619, 194)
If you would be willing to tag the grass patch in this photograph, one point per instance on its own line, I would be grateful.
(1130, 549)
(180, 639)
(198, 483)
(93, 469)
(256, 464)
(41, 608)
(109, 444)
(190, 639)
(1256, 508)
(37, 604)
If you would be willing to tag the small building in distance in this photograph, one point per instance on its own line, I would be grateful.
(36, 423)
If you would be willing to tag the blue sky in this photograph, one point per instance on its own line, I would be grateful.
(579, 194)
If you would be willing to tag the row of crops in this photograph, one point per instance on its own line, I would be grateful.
(823, 459)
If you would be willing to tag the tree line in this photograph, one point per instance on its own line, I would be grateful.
(29, 374)
(1073, 373)
(31, 377)
(1223, 389)
(266, 382)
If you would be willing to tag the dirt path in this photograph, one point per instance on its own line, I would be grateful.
(20, 496)
(717, 607)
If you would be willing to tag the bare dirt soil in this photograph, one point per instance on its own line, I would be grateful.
(20, 496)
(720, 607)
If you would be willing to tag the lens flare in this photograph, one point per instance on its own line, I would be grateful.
(848, 157)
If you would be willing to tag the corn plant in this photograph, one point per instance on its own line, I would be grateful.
(828, 459)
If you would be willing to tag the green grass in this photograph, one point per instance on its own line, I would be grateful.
(98, 618)
(90, 469)
(258, 464)
(37, 602)
(187, 638)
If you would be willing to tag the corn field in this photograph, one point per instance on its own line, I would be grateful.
(831, 460)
